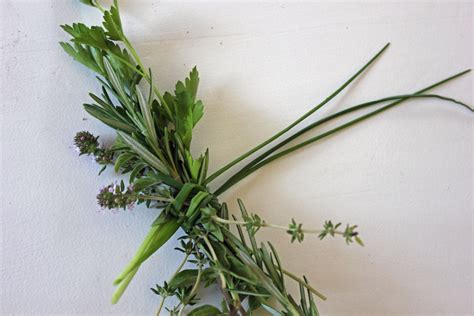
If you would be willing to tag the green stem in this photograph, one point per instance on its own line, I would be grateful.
(154, 198)
(98, 6)
(264, 224)
(214, 257)
(193, 290)
(299, 120)
(183, 262)
(244, 173)
(161, 306)
(123, 285)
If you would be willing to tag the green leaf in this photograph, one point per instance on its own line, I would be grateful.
(112, 23)
(182, 196)
(145, 182)
(82, 55)
(88, 2)
(184, 117)
(198, 112)
(144, 153)
(82, 34)
(204, 167)
(263, 279)
(121, 160)
(109, 107)
(254, 303)
(359, 241)
(196, 202)
(108, 119)
(192, 83)
(161, 219)
(118, 87)
(271, 310)
(241, 269)
(253, 242)
(136, 170)
(194, 166)
(183, 278)
(267, 260)
(145, 108)
(205, 310)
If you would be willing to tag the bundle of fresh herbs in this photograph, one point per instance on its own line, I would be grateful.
(154, 133)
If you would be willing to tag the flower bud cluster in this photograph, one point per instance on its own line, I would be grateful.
(104, 156)
(87, 144)
(115, 196)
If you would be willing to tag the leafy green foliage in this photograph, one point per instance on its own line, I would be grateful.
(154, 135)
(113, 24)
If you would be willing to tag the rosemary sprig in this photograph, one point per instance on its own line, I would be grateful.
(154, 135)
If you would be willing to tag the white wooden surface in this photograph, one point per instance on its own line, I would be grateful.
(405, 177)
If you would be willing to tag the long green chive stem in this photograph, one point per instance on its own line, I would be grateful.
(248, 171)
(306, 285)
(299, 120)
(336, 115)
(264, 224)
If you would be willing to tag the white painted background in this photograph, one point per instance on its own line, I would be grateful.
(405, 177)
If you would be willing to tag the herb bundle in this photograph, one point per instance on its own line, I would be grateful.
(154, 134)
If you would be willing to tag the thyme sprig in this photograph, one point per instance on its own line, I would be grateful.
(152, 146)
